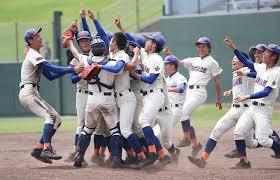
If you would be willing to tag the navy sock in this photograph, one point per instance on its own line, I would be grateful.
(275, 146)
(103, 142)
(210, 145)
(158, 144)
(97, 141)
(192, 133)
(149, 135)
(107, 142)
(126, 144)
(42, 139)
(241, 147)
(83, 142)
(186, 125)
(171, 149)
(274, 133)
(76, 139)
(143, 142)
(132, 139)
(116, 145)
(47, 133)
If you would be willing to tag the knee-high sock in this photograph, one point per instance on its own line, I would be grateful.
(210, 145)
(133, 141)
(116, 145)
(48, 133)
(83, 142)
(186, 128)
(150, 138)
(241, 147)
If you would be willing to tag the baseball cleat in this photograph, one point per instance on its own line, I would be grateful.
(276, 155)
(116, 162)
(166, 160)
(51, 154)
(70, 158)
(242, 165)
(184, 143)
(98, 159)
(151, 159)
(195, 150)
(175, 157)
(36, 153)
(79, 159)
(232, 154)
(201, 163)
(130, 159)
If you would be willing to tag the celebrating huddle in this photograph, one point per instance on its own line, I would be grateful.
(130, 98)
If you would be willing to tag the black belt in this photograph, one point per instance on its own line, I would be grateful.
(105, 93)
(149, 91)
(85, 91)
(34, 85)
(258, 103)
(176, 105)
(162, 109)
(121, 94)
(238, 105)
(194, 86)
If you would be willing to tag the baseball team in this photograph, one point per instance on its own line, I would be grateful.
(130, 107)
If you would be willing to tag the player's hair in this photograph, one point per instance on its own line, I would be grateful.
(276, 57)
(69, 56)
(158, 46)
(120, 39)
(28, 43)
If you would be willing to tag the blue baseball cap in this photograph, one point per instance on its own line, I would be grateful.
(158, 38)
(83, 35)
(203, 40)
(171, 59)
(273, 48)
(140, 39)
(260, 47)
(109, 35)
(30, 33)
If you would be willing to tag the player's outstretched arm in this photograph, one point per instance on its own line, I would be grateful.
(84, 21)
(147, 79)
(59, 70)
(265, 92)
(179, 89)
(118, 24)
(217, 80)
(51, 76)
(73, 49)
(75, 78)
(134, 61)
(114, 69)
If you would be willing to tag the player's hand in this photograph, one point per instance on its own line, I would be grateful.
(83, 13)
(98, 65)
(167, 52)
(241, 98)
(229, 43)
(79, 68)
(136, 50)
(74, 27)
(118, 24)
(227, 93)
(219, 105)
(240, 73)
(90, 14)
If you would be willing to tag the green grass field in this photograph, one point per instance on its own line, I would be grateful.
(34, 14)
(205, 116)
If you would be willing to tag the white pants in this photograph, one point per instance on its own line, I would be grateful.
(31, 100)
(152, 102)
(81, 102)
(102, 128)
(126, 104)
(194, 98)
(259, 117)
(228, 121)
(98, 107)
(139, 105)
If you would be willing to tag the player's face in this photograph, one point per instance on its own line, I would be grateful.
(236, 64)
(84, 45)
(268, 57)
(202, 50)
(113, 44)
(168, 68)
(258, 56)
(36, 42)
(149, 46)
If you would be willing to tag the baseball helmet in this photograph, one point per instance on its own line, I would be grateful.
(98, 46)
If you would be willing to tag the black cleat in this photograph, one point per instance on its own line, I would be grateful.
(116, 162)
(151, 159)
(79, 160)
(50, 154)
(232, 154)
(130, 160)
(201, 163)
(276, 155)
(98, 159)
(166, 160)
(195, 150)
(242, 165)
(36, 153)
(184, 143)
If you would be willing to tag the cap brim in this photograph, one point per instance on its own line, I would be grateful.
(38, 31)
(149, 37)
(197, 43)
(85, 37)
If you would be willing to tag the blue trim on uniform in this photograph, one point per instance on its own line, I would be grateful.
(49, 75)
(75, 78)
(265, 92)
(244, 60)
(241, 147)
(101, 33)
(116, 68)
(59, 70)
(150, 78)
(252, 74)
(182, 87)
(210, 145)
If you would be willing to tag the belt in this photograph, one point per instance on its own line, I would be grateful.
(123, 93)
(238, 105)
(34, 85)
(149, 91)
(104, 93)
(195, 86)
(83, 91)
(175, 105)
(258, 103)
(162, 109)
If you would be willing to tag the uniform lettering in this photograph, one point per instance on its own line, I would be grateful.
(199, 69)
(260, 81)
(236, 81)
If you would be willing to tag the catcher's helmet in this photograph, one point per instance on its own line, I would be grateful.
(98, 46)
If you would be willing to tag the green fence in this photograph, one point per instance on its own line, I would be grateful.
(246, 29)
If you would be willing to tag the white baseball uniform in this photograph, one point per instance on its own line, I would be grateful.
(201, 71)
(259, 114)
(29, 95)
(81, 99)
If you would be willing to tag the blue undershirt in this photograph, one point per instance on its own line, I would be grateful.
(75, 78)
(265, 92)
(131, 38)
(248, 63)
(101, 33)
(85, 25)
(116, 68)
(182, 87)
(52, 72)
(149, 79)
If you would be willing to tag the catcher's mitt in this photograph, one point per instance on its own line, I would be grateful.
(67, 35)
(89, 72)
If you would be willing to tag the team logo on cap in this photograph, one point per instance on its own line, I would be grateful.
(157, 68)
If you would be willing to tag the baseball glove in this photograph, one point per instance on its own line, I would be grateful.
(89, 72)
(67, 35)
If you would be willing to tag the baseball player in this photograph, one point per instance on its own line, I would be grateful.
(259, 114)
(201, 70)
(84, 39)
(33, 65)
(241, 85)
